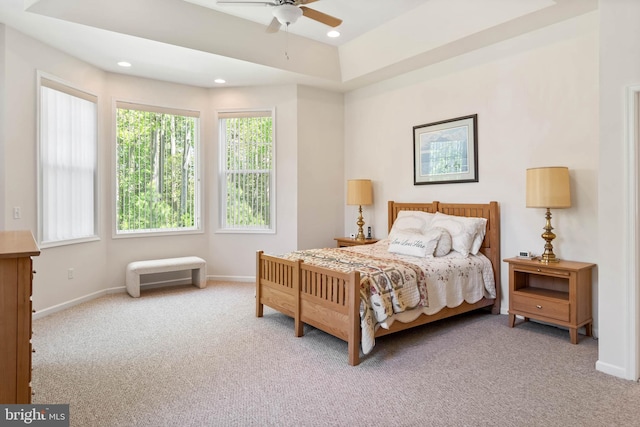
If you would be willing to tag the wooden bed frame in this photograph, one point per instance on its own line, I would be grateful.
(330, 300)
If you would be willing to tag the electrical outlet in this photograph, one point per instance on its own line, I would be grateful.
(16, 212)
(70, 273)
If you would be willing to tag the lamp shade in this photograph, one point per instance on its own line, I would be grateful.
(359, 192)
(548, 187)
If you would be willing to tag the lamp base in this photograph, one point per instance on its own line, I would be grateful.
(548, 256)
(360, 236)
(548, 259)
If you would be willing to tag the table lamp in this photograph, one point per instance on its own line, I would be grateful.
(359, 192)
(548, 187)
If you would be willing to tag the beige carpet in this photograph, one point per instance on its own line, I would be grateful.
(184, 356)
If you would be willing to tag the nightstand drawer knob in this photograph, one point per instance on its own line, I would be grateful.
(539, 306)
(538, 270)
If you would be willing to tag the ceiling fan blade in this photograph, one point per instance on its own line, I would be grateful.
(306, 1)
(274, 25)
(247, 2)
(320, 17)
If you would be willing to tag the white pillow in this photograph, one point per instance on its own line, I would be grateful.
(467, 233)
(444, 243)
(411, 221)
(415, 244)
(435, 242)
(481, 229)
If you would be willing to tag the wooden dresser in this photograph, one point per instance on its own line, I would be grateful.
(16, 274)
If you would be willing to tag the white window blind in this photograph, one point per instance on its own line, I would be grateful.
(67, 163)
(156, 169)
(247, 171)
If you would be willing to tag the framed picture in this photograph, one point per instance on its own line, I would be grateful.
(446, 152)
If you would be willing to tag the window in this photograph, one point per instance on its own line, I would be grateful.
(67, 164)
(157, 188)
(247, 171)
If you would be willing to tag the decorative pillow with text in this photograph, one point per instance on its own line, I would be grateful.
(414, 244)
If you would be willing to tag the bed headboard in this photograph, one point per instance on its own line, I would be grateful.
(491, 243)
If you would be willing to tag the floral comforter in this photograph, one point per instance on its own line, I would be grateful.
(399, 287)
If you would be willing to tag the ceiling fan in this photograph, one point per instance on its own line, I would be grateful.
(286, 12)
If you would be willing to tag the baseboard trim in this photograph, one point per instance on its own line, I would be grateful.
(119, 289)
(233, 278)
(68, 304)
(616, 371)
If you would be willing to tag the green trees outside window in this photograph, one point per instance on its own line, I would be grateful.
(156, 171)
(246, 142)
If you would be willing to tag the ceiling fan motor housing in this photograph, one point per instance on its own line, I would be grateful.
(287, 13)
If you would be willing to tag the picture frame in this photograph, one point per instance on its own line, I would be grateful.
(446, 152)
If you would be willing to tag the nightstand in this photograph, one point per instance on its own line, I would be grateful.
(348, 241)
(557, 293)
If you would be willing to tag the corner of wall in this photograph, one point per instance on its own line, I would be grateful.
(616, 371)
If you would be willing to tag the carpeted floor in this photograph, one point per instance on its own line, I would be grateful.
(184, 356)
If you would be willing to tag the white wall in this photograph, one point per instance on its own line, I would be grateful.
(321, 197)
(619, 69)
(536, 97)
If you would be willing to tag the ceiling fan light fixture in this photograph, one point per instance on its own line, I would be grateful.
(287, 14)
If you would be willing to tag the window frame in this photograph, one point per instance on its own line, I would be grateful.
(198, 192)
(222, 193)
(52, 82)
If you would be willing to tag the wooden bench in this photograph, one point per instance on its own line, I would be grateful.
(197, 265)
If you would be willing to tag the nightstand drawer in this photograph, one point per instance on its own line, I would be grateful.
(558, 310)
(543, 270)
(350, 241)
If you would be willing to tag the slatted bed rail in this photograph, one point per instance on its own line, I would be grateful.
(330, 301)
(277, 286)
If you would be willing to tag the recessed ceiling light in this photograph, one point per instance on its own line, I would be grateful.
(124, 64)
(333, 33)
(220, 81)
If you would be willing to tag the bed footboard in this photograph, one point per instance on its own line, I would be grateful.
(325, 299)
(278, 286)
(330, 301)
